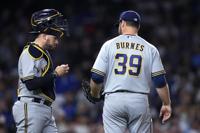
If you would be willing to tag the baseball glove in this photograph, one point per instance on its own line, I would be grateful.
(86, 90)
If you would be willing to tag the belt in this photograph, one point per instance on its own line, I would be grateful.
(38, 100)
(127, 91)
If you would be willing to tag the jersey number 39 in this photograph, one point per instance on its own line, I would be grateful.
(131, 64)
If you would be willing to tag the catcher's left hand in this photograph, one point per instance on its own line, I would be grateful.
(86, 90)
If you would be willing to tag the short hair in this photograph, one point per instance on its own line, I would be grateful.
(133, 24)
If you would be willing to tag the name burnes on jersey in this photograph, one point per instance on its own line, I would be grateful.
(129, 45)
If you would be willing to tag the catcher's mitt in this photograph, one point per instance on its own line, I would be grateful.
(86, 90)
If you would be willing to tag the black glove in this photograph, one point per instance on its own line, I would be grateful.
(86, 90)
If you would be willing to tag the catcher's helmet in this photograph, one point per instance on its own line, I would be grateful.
(49, 21)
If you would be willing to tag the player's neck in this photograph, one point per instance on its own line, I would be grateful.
(39, 42)
(130, 31)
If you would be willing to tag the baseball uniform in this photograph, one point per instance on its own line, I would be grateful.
(128, 63)
(33, 112)
(36, 86)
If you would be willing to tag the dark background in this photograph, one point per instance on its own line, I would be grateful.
(172, 26)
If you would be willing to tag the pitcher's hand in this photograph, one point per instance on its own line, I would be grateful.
(165, 112)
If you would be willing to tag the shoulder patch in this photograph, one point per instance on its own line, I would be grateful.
(34, 52)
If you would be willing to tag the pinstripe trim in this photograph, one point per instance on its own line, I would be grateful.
(48, 60)
(151, 126)
(26, 46)
(97, 72)
(158, 73)
(25, 118)
(27, 78)
(33, 56)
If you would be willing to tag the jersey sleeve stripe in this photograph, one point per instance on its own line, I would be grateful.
(97, 72)
(27, 78)
(158, 73)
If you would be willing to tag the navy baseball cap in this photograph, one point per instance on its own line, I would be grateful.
(131, 16)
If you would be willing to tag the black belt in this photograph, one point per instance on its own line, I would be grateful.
(38, 100)
(127, 91)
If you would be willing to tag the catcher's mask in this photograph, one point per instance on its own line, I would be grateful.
(49, 21)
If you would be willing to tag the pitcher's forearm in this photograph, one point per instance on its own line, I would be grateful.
(164, 94)
(95, 89)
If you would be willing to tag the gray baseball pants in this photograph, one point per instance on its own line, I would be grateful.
(123, 111)
(31, 117)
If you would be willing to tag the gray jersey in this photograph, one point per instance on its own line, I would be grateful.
(30, 66)
(128, 63)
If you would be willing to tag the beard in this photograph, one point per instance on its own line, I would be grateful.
(50, 47)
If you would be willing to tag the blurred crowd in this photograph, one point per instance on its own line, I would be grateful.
(172, 26)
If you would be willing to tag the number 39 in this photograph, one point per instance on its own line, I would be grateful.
(133, 67)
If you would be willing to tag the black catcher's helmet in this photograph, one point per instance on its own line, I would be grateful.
(49, 21)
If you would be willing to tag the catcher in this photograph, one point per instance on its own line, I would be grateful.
(32, 111)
